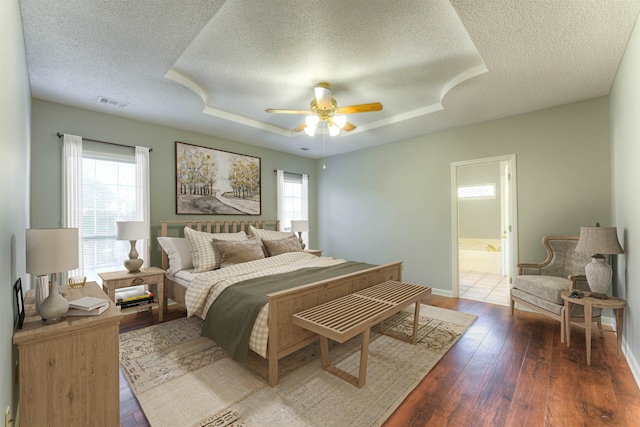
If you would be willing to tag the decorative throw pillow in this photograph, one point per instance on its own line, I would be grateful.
(179, 253)
(202, 253)
(236, 252)
(269, 234)
(282, 246)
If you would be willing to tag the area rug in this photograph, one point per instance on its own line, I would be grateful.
(183, 379)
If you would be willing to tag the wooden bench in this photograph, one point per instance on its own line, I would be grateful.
(346, 317)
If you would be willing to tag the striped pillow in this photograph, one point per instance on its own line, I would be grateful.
(204, 257)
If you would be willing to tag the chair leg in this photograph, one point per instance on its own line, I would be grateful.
(513, 304)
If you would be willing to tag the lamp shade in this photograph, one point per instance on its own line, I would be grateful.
(299, 225)
(132, 230)
(599, 240)
(51, 250)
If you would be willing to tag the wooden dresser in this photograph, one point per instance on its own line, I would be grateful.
(68, 371)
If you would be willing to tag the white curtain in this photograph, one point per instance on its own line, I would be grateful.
(72, 192)
(142, 198)
(280, 197)
(305, 203)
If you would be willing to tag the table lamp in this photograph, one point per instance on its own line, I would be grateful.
(598, 241)
(132, 231)
(300, 226)
(51, 251)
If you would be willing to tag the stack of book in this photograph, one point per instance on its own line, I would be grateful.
(87, 306)
(131, 299)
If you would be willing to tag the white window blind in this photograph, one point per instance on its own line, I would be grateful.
(109, 195)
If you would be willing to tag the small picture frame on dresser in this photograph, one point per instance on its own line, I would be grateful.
(17, 287)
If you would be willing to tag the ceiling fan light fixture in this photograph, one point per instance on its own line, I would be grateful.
(334, 130)
(340, 120)
(310, 130)
(312, 121)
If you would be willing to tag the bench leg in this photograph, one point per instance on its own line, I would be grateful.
(359, 381)
(324, 351)
(364, 356)
(416, 318)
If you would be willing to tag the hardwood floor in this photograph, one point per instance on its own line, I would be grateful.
(505, 371)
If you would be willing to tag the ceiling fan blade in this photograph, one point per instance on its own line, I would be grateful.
(348, 127)
(299, 128)
(279, 111)
(360, 108)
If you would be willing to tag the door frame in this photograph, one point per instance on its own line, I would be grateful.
(512, 231)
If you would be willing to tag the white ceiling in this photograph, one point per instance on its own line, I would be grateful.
(214, 66)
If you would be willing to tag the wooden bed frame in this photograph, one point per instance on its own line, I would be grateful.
(284, 337)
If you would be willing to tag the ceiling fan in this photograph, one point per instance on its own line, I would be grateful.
(325, 109)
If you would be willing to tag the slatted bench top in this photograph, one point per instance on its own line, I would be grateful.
(346, 317)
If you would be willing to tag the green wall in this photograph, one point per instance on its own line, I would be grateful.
(393, 202)
(14, 184)
(479, 218)
(49, 118)
(625, 141)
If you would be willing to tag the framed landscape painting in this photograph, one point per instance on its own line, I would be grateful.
(216, 182)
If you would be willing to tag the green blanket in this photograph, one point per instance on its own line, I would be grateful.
(230, 318)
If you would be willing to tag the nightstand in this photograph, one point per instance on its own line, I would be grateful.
(123, 279)
(617, 304)
(316, 252)
(68, 371)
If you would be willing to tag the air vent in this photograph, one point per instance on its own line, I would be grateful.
(112, 102)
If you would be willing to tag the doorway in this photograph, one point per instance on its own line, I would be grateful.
(484, 228)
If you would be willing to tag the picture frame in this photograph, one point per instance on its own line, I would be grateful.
(216, 182)
(17, 287)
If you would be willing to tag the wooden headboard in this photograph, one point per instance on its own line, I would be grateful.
(213, 226)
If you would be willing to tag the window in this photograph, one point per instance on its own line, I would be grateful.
(108, 195)
(484, 191)
(292, 199)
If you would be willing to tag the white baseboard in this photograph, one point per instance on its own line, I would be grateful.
(632, 361)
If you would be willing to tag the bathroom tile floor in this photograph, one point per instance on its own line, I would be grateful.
(487, 287)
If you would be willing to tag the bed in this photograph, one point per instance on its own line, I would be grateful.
(283, 338)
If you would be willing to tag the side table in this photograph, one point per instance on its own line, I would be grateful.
(617, 304)
(68, 371)
(124, 279)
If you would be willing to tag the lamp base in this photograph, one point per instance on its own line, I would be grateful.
(55, 306)
(300, 240)
(133, 265)
(42, 290)
(598, 275)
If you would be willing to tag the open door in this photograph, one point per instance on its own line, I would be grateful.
(502, 222)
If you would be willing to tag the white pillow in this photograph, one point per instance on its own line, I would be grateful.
(269, 234)
(177, 248)
(203, 255)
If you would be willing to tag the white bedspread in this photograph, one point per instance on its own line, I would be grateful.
(206, 287)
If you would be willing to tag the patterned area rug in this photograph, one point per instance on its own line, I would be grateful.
(183, 379)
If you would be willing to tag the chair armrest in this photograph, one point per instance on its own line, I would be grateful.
(577, 278)
(522, 266)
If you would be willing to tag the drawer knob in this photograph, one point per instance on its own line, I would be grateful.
(138, 281)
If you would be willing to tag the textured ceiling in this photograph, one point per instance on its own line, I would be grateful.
(214, 66)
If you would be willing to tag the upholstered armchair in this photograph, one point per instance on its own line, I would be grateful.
(538, 286)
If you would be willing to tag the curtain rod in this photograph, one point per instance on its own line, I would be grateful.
(293, 173)
(60, 135)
